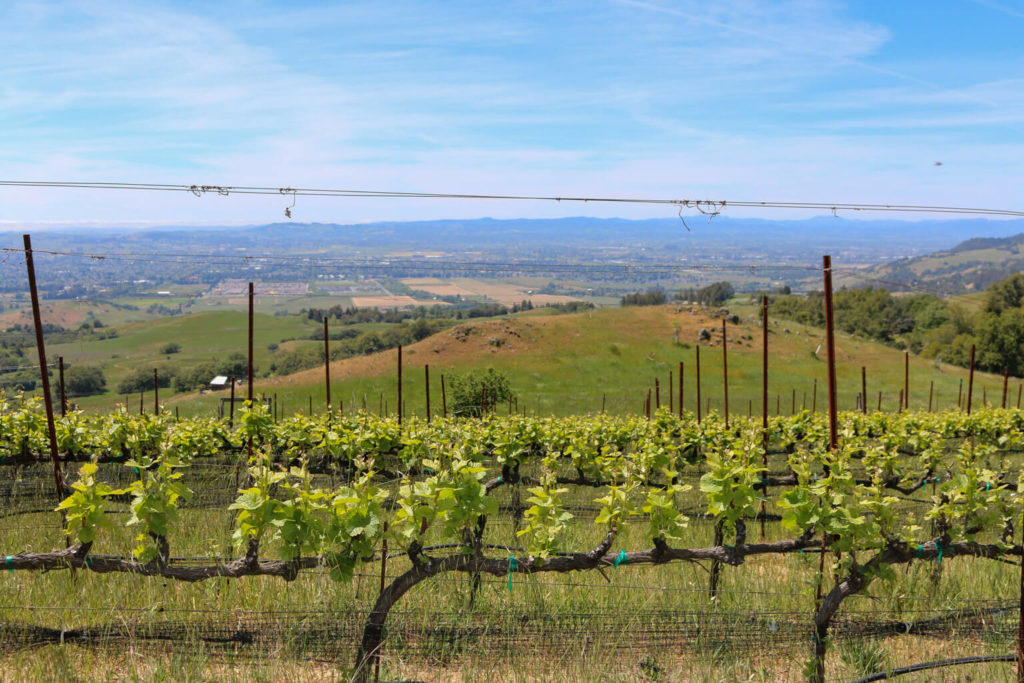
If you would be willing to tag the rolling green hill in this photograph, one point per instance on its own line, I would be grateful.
(558, 364)
(565, 364)
(971, 266)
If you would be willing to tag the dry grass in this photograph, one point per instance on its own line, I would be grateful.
(505, 294)
(384, 301)
(437, 286)
(65, 315)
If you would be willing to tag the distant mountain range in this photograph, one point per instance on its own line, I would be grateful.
(947, 256)
(874, 240)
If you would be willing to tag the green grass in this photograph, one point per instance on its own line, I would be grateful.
(973, 302)
(202, 337)
(560, 364)
(613, 356)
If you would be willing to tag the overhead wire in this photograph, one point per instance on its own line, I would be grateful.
(13, 368)
(708, 207)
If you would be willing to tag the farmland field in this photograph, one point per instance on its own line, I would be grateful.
(386, 301)
(506, 294)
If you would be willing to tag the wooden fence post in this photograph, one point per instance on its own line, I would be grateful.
(327, 364)
(44, 375)
(831, 346)
(231, 408)
(444, 399)
(63, 393)
(821, 629)
(248, 387)
(970, 382)
(698, 382)
(399, 385)
(864, 390)
(906, 380)
(725, 374)
(764, 406)
(681, 390)
(426, 388)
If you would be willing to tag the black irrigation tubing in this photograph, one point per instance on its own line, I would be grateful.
(937, 664)
(936, 624)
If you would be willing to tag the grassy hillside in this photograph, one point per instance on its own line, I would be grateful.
(558, 364)
(564, 364)
(202, 336)
(969, 267)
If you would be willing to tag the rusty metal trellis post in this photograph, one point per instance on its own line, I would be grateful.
(44, 373)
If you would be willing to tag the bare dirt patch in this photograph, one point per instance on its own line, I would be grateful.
(384, 301)
(57, 314)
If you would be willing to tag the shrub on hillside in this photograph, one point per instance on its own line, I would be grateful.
(478, 391)
(84, 380)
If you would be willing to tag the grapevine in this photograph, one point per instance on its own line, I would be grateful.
(416, 482)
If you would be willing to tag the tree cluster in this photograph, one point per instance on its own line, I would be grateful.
(714, 294)
(84, 380)
(643, 299)
(871, 312)
(926, 324)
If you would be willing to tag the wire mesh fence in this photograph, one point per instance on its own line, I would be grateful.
(332, 636)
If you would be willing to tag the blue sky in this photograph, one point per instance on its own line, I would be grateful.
(805, 100)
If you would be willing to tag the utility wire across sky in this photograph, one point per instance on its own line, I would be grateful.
(708, 207)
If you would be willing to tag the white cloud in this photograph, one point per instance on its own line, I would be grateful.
(1000, 7)
(735, 99)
